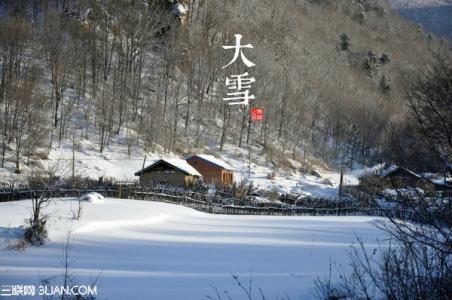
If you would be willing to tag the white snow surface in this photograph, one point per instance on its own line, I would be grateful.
(150, 250)
(179, 9)
(180, 164)
(92, 197)
(292, 180)
(215, 161)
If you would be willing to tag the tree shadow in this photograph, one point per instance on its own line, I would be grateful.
(12, 238)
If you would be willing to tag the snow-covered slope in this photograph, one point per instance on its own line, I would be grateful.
(324, 184)
(115, 163)
(145, 250)
(434, 15)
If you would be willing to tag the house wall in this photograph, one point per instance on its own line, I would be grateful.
(170, 178)
(227, 177)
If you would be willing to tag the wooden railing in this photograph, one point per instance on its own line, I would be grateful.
(209, 205)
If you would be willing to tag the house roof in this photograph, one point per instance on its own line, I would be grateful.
(389, 170)
(177, 163)
(443, 181)
(428, 177)
(213, 160)
(179, 9)
(393, 168)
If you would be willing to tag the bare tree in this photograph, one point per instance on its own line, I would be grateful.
(36, 234)
(26, 111)
(53, 46)
(15, 35)
(430, 99)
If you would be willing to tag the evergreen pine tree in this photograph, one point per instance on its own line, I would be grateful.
(345, 42)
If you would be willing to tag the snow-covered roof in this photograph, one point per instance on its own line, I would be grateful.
(389, 170)
(393, 168)
(176, 163)
(440, 181)
(428, 177)
(213, 160)
(179, 9)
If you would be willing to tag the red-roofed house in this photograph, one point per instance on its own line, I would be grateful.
(171, 171)
(213, 170)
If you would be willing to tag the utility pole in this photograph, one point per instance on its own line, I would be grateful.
(73, 156)
(144, 162)
(142, 167)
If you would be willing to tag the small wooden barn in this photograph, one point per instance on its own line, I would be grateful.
(171, 171)
(212, 169)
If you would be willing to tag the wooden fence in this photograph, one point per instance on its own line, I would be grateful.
(208, 206)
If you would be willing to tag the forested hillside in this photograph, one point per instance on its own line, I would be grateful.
(331, 75)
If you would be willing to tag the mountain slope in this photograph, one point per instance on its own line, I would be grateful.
(120, 79)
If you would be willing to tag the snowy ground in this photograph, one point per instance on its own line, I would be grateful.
(115, 163)
(146, 250)
(293, 181)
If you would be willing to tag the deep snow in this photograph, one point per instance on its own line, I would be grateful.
(148, 250)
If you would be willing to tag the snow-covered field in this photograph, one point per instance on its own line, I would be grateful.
(148, 250)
